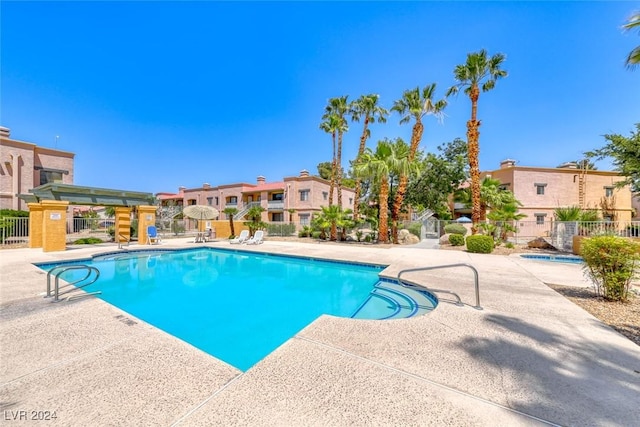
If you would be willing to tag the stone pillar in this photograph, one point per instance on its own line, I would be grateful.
(15, 182)
(54, 225)
(35, 225)
(123, 225)
(146, 217)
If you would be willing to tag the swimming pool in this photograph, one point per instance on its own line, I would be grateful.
(567, 259)
(239, 306)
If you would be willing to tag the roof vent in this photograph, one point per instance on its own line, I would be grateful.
(261, 180)
(568, 165)
(5, 132)
(304, 173)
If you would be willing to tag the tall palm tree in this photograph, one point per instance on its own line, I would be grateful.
(338, 107)
(414, 104)
(634, 56)
(331, 124)
(366, 108)
(390, 158)
(479, 71)
(230, 212)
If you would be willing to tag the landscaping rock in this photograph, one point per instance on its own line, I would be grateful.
(444, 240)
(406, 238)
(541, 243)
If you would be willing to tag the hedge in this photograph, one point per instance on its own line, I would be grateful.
(479, 244)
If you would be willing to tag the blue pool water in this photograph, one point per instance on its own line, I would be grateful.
(239, 306)
(568, 259)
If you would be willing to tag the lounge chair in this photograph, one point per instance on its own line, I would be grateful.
(152, 235)
(256, 239)
(242, 238)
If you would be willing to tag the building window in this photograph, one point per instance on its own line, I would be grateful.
(540, 218)
(540, 188)
(233, 200)
(191, 202)
(277, 217)
(217, 201)
(350, 200)
(325, 195)
(608, 191)
(304, 195)
(47, 176)
(304, 219)
(210, 201)
(277, 197)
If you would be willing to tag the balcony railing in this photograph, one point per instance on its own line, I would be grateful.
(275, 205)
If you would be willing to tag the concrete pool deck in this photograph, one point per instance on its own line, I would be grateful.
(529, 357)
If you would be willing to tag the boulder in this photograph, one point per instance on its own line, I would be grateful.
(540, 243)
(406, 238)
(444, 240)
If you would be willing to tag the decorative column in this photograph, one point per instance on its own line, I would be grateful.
(123, 224)
(35, 225)
(146, 217)
(15, 183)
(54, 225)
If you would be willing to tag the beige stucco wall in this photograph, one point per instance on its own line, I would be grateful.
(562, 189)
(30, 156)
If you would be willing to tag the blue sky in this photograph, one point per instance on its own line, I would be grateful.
(156, 95)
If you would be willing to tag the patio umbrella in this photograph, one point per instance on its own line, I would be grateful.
(200, 212)
(463, 219)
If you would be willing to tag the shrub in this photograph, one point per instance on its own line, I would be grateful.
(87, 241)
(509, 245)
(283, 229)
(611, 262)
(456, 239)
(316, 234)
(455, 229)
(479, 244)
(415, 228)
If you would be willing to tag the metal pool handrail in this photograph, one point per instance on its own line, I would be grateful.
(435, 267)
(64, 268)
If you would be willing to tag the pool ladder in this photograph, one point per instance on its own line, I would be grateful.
(411, 284)
(64, 268)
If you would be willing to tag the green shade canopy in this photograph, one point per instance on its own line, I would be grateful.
(79, 195)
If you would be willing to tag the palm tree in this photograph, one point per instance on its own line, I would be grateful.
(478, 71)
(338, 108)
(366, 108)
(331, 125)
(634, 56)
(388, 159)
(414, 104)
(230, 212)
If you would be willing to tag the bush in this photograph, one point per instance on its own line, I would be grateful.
(284, 229)
(479, 244)
(455, 229)
(316, 234)
(509, 245)
(88, 241)
(611, 263)
(456, 239)
(415, 228)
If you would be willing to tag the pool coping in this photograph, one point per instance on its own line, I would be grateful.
(510, 363)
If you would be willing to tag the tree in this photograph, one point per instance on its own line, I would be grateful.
(388, 159)
(414, 104)
(633, 59)
(230, 212)
(336, 110)
(325, 169)
(625, 153)
(478, 71)
(331, 124)
(586, 164)
(492, 197)
(254, 215)
(366, 108)
(440, 176)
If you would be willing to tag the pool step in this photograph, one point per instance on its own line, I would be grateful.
(392, 301)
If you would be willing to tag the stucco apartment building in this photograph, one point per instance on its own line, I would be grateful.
(25, 165)
(306, 194)
(542, 190)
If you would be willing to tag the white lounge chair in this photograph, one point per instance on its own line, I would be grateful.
(242, 238)
(256, 239)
